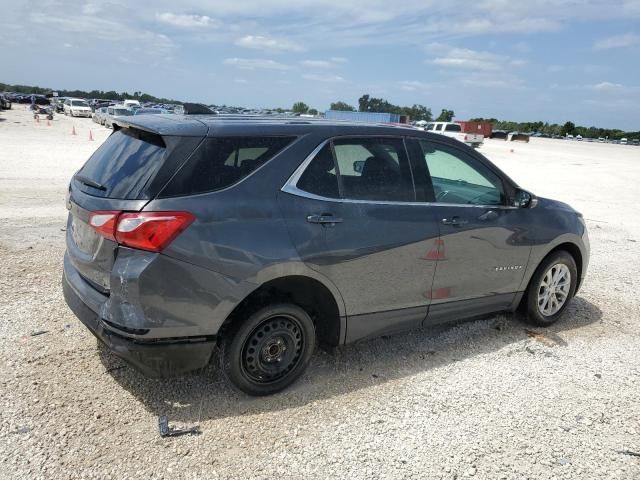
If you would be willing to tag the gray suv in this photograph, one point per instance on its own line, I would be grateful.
(258, 239)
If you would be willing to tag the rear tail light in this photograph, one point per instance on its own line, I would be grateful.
(104, 222)
(151, 231)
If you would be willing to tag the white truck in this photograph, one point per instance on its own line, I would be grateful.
(454, 130)
(131, 103)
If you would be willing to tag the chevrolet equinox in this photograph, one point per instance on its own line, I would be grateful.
(258, 238)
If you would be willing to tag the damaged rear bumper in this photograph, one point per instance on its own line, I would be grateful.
(154, 358)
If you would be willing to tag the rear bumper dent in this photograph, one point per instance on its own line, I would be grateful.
(154, 358)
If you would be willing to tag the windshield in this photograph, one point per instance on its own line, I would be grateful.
(79, 103)
(122, 111)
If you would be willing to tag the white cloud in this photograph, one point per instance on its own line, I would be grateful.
(260, 42)
(91, 8)
(339, 60)
(323, 78)
(470, 59)
(606, 86)
(184, 20)
(492, 80)
(317, 64)
(617, 41)
(255, 63)
(414, 85)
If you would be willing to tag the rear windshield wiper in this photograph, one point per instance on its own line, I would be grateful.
(90, 183)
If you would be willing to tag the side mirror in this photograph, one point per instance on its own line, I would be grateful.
(358, 166)
(524, 199)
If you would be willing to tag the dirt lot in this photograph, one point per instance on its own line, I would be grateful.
(482, 399)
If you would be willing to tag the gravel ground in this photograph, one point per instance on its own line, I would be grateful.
(483, 399)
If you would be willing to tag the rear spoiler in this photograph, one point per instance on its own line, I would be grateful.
(164, 125)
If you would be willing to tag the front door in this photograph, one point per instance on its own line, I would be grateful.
(483, 241)
(354, 219)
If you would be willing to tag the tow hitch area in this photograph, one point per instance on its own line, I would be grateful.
(167, 431)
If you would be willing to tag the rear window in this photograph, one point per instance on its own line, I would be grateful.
(122, 166)
(453, 127)
(221, 162)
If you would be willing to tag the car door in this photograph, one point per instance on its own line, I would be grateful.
(484, 241)
(353, 217)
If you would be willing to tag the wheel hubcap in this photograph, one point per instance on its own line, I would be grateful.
(554, 289)
(273, 349)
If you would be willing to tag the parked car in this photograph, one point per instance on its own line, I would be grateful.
(38, 99)
(99, 115)
(454, 130)
(76, 107)
(148, 111)
(267, 237)
(5, 103)
(113, 112)
(623, 141)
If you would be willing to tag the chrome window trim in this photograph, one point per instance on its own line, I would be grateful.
(291, 185)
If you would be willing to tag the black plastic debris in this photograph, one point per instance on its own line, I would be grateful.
(167, 431)
(39, 332)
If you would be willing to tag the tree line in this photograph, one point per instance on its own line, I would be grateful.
(568, 128)
(106, 95)
(366, 103)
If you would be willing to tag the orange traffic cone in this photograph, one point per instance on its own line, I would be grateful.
(90, 136)
(73, 131)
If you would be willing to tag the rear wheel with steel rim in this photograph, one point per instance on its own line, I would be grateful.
(270, 350)
(551, 287)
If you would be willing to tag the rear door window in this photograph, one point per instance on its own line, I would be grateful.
(320, 176)
(363, 168)
(123, 165)
(220, 162)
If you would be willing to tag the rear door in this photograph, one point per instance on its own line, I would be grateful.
(353, 216)
(484, 241)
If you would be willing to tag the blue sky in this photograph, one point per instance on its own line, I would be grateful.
(521, 60)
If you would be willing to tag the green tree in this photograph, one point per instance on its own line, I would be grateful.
(342, 106)
(300, 107)
(417, 112)
(313, 111)
(367, 103)
(445, 116)
(568, 129)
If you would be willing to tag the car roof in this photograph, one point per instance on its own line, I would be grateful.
(213, 125)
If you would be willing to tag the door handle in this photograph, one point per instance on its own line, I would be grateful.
(455, 221)
(325, 218)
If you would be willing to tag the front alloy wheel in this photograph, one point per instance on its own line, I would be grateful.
(551, 287)
(270, 350)
(554, 289)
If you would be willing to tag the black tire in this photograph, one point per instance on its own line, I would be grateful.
(533, 311)
(270, 350)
